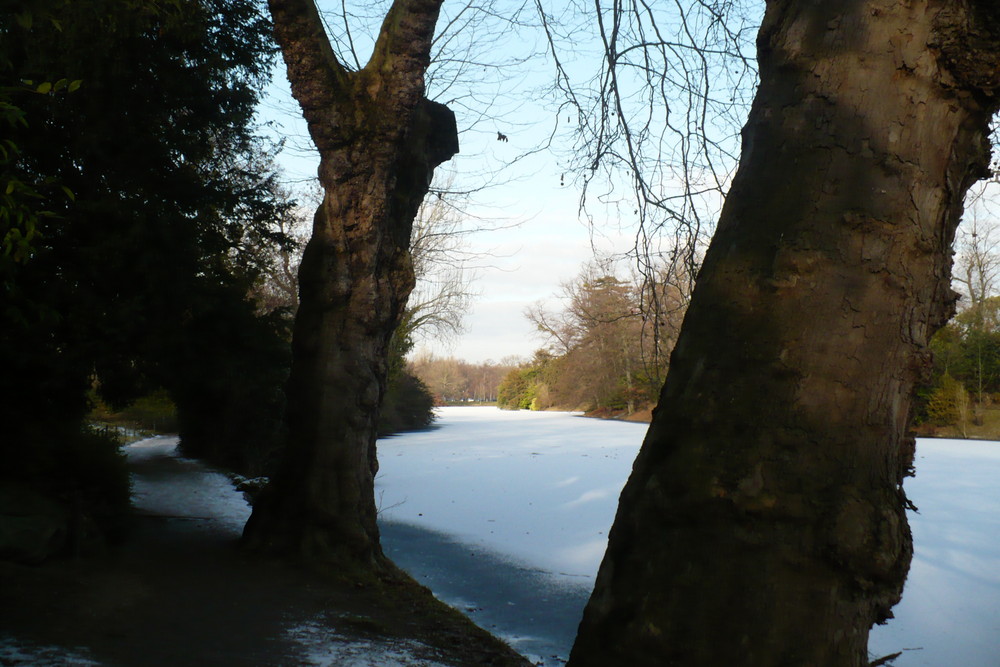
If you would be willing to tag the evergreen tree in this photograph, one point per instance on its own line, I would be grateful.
(379, 140)
(138, 280)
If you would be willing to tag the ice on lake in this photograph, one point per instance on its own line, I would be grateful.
(506, 514)
(538, 486)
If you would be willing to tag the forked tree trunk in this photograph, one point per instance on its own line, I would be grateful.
(763, 523)
(379, 140)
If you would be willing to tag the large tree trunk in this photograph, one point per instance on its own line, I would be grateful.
(764, 523)
(379, 141)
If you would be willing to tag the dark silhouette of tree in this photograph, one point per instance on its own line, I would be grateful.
(379, 140)
(764, 521)
(137, 280)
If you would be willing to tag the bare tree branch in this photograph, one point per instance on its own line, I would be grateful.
(314, 70)
(656, 128)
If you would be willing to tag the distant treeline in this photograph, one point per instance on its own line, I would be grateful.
(453, 381)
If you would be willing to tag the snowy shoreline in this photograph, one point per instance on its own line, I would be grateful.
(505, 515)
(539, 490)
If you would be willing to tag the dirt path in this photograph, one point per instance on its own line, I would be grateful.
(180, 593)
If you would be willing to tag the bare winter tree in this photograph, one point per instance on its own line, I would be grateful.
(764, 520)
(764, 523)
(558, 328)
(571, 330)
(444, 266)
(600, 335)
(278, 287)
(976, 276)
(655, 106)
(978, 247)
(379, 140)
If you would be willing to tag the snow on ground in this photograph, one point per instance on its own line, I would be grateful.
(200, 494)
(209, 501)
(17, 652)
(324, 648)
(505, 515)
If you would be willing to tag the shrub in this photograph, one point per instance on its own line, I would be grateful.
(83, 474)
(948, 403)
(520, 389)
(408, 405)
(154, 413)
(91, 475)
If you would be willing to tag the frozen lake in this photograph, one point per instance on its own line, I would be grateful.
(505, 515)
(513, 510)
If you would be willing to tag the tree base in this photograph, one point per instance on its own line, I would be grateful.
(295, 535)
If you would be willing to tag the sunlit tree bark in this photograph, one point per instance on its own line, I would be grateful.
(379, 140)
(764, 523)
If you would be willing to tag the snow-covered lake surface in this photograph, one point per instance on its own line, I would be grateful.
(505, 515)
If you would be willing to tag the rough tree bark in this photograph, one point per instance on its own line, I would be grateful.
(763, 523)
(379, 140)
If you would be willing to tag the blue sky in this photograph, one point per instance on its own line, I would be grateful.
(540, 240)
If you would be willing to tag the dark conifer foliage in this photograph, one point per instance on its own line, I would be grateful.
(157, 183)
